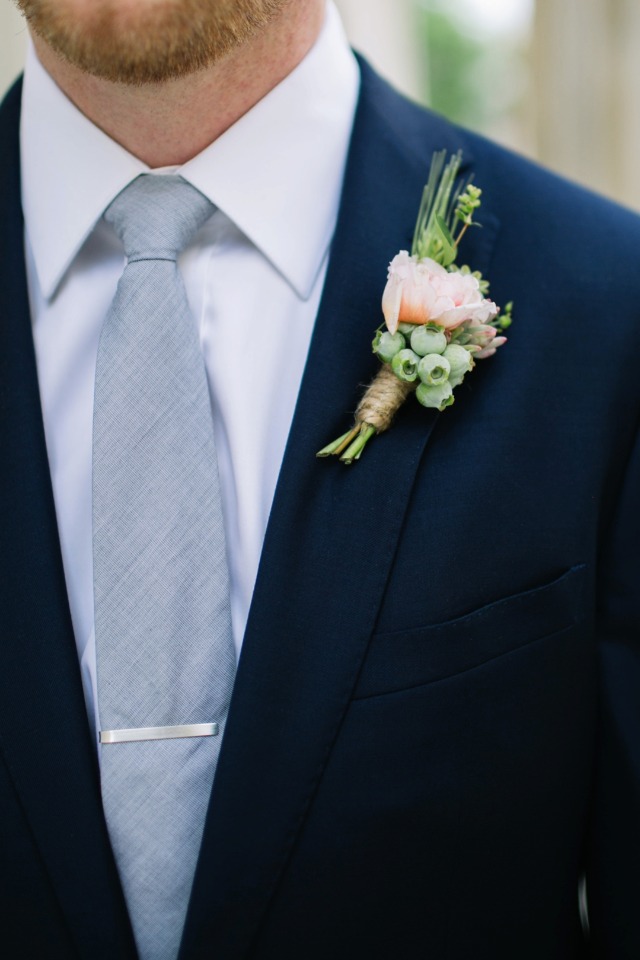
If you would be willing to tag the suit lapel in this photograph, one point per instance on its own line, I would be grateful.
(44, 733)
(329, 546)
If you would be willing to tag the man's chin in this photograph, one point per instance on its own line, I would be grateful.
(148, 42)
(134, 65)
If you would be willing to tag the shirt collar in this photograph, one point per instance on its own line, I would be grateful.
(266, 173)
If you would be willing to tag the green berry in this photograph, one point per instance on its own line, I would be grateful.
(405, 365)
(434, 369)
(428, 339)
(460, 362)
(435, 397)
(386, 345)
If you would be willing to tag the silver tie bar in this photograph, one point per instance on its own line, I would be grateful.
(159, 733)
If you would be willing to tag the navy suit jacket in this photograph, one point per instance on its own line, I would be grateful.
(435, 730)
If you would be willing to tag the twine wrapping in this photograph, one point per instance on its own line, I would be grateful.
(383, 399)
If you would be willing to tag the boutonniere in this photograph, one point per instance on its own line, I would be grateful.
(438, 318)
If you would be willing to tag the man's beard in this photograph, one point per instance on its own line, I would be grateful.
(146, 41)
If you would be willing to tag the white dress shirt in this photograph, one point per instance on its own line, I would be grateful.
(254, 276)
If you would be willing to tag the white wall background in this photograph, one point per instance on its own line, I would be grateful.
(12, 44)
(382, 30)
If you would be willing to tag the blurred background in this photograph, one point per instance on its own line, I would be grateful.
(558, 80)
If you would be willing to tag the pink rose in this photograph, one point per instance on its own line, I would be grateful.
(422, 291)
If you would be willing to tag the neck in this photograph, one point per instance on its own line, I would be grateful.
(166, 124)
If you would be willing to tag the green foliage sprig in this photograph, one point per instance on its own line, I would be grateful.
(446, 203)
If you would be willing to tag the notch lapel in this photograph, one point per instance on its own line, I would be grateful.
(330, 542)
(44, 733)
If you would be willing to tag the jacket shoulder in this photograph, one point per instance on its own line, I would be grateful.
(515, 187)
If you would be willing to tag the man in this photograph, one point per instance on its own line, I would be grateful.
(434, 731)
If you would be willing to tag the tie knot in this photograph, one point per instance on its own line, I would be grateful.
(157, 215)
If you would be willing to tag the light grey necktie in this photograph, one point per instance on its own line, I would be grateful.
(163, 631)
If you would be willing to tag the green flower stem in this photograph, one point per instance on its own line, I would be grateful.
(334, 448)
(464, 229)
(354, 450)
(381, 401)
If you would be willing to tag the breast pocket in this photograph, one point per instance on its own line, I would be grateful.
(400, 660)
